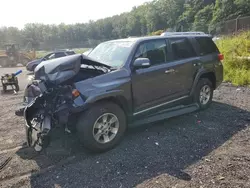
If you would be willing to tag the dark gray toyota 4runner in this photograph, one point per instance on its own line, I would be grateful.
(120, 83)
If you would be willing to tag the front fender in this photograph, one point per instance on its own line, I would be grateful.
(101, 96)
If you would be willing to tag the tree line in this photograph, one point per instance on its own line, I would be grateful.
(157, 15)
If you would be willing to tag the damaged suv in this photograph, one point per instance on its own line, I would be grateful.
(122, 83)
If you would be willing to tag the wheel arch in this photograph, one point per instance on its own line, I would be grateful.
(118, 100)
(115, 97)
(204, 74)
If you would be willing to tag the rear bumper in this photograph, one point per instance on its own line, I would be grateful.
(219, 74)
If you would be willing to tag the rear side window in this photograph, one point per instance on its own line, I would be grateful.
(154, 50)
(207, 45)
(181, 48)
(60, 54)
(70, 52)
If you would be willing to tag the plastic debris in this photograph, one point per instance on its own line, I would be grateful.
(221, 178)
(156, 143)
(207, 160)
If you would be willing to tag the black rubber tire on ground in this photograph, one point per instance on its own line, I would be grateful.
(4, 88)
(86, 123)
(17, 87)
(201, 83)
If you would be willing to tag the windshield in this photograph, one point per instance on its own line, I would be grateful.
(113, 53)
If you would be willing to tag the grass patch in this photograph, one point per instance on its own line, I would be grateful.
(236, 70)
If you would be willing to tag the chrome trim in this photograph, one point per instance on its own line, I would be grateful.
(159, 105)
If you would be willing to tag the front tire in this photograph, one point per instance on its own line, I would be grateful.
(204, 93)
(102, 127)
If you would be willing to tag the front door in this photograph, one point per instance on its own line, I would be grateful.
(155, 85)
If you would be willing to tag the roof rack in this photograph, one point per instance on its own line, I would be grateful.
(132, 36)
(182, 33)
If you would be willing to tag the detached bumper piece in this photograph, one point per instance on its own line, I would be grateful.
(38, 135)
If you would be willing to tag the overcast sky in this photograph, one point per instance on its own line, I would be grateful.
(19, 12)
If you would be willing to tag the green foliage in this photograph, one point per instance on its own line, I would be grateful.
(176, 15)
(159, 32)
(236, 70)
(203, 17)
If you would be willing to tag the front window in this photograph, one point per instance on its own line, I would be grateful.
(154, 50)
(113, 53)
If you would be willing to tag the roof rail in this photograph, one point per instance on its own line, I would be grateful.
(132, 36)
(182, 33)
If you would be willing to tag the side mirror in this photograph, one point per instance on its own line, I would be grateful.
(141, 63)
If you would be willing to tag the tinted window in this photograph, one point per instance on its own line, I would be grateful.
(70, 52)
(181, 48)
(207, 45)
(155, 51)
(60, 54)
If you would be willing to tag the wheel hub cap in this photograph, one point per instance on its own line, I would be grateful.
(106, 128)
(205, 93)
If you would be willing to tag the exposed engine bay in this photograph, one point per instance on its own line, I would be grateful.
(52, 96)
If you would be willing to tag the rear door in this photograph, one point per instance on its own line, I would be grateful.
(185, 62)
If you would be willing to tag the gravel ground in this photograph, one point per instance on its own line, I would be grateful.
(210, 148)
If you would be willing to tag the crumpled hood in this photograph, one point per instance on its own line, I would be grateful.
(61, 69)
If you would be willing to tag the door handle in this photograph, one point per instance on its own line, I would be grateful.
(169, 71)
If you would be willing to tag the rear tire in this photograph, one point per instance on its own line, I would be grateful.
(203, 95)
(98, 135)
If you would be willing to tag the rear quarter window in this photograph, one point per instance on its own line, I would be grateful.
(206, 45)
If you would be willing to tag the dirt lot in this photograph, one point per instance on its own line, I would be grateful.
(203, 149)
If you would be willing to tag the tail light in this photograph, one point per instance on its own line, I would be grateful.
(221, 57)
